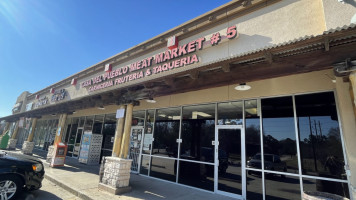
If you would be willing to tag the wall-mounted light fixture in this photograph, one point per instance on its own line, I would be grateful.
(242, 87)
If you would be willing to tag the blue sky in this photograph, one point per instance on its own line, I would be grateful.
(45, 41)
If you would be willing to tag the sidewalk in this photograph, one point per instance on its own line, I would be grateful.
(82, 180)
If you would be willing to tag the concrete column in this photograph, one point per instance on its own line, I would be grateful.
(118, 135)
(28, 145)
(348, 127)
(14, 134)
(60, 129)
(32, 133)
(7, 126)
(352, 78)
(12, 142)
(116, 170)
(127, 129)
(52, 156)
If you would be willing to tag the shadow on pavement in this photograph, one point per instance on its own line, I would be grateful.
(36, 195)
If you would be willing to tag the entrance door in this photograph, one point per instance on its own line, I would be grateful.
(230, 161)
(135, 147)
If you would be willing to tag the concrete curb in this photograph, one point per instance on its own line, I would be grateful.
(68, 188)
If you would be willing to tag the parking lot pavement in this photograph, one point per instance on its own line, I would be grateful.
(49, 191)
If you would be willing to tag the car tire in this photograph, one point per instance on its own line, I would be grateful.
(10, 186)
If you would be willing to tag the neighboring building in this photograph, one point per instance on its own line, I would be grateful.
(194, 123)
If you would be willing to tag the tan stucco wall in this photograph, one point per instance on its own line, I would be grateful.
(348, 125)
(338, 14)
(301, 83)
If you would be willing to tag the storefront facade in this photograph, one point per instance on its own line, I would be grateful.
(191, 125)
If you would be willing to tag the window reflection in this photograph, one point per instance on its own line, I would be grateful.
(145, 163)
(198, 132)
(253, 185)
(282, 187)
(279, 141)
(67, 126)
(109, 131)
(164, 168)
(98, 124)
(312, 185)
(196, 175)
(230, 113)
(252, 134)
(320, 141)
(88, 124)
(166, 132)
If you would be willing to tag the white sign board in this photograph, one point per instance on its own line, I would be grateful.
(120, 113)
(59, 131)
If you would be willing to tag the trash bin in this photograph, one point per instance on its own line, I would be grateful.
(4, 140)
(321, 196)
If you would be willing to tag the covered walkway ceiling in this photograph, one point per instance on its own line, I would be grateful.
(300, 56)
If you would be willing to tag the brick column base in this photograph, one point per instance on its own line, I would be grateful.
(27, 147)
(116, 176)
(12, 144)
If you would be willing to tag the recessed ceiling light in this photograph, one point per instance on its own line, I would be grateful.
(101, 108)
(242, 87)
(150, 100)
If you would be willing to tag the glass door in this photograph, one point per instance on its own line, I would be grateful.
(135, 147)
(230, 161)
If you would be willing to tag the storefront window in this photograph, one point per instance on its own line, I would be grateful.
(37, 132)
(145, 163)
(67, 131)
(138, 118)
(89, 120)
(230, 113)
(164, 168)
(109, 133)
(320, 146)
(98, 124)
(166, 132)
(43, 133)
(254, 189)
(282, 187)
(197, 175)
(252, 134)
(324, 186)
(81, 122)
(279, 138)
(319, 132)
(198, 132)
(71, 139)
(148, 137)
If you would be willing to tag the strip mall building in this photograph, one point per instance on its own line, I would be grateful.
(199, 104)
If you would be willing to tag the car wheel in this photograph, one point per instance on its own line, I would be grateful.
(10, 186)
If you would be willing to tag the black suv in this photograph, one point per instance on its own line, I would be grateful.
(18, 172)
